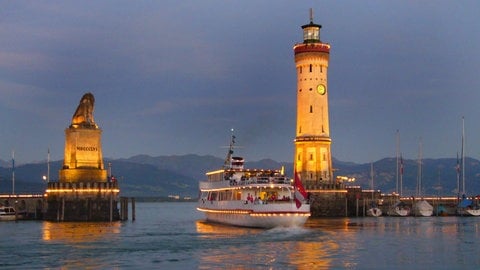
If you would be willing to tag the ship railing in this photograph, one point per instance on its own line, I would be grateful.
(260, 180)
(271, 200)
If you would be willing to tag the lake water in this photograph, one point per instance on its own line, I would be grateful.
(175, 236)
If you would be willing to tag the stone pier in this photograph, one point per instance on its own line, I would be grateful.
(82, 201)
(327, 199)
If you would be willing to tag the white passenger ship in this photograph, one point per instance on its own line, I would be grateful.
(252, 198)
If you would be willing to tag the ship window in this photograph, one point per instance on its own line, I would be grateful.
(311, 108)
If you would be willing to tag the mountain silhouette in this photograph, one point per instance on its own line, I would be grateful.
(147, 176)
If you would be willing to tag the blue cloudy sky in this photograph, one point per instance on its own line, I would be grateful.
(173, 77)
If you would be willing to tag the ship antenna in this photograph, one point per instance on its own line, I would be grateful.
(228, 159)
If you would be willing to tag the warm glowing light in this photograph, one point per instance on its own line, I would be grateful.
(249, 212)
(345, 179)
(115, 190)
(22, 196)
(327, 190)
(224, 211)
(214, 172)
(299, 214)
(257, 186)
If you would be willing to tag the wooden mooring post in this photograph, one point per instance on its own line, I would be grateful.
(124, 208)
(133, 209)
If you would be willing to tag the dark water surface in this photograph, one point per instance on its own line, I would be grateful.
(174, 236)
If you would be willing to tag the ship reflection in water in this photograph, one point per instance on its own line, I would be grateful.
(277, 246)
(216, 230)
(79, 232)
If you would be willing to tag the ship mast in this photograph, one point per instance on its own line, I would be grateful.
(228, 160)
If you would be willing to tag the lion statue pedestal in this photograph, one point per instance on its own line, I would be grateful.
(83, 160)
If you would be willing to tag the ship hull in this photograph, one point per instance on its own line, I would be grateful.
(282, 214)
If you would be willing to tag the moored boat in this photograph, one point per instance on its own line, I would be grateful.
(7, 213)
(252, 198)
(466, 207)
(374, 210)
(421, 208)
(399, 209)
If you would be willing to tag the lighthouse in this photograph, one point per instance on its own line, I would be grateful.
(313, 159)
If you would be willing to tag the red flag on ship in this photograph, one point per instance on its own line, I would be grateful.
(300, 193)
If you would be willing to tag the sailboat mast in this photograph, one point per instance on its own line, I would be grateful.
(401, 174)
(396, 154)
(463, 155)
(371, 177)
(13, 172)
(419, 176)
(457, 169)
(48, 166)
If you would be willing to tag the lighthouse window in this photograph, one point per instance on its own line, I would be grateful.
(310, 67)
(311, 109)
(321, 69)
(300, 69)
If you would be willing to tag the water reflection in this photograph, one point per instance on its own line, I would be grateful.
(214, 230)
(78, 232)
(337, 243)
(235, 247)
(314, 255)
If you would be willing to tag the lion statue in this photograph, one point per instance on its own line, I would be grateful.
(83, 116)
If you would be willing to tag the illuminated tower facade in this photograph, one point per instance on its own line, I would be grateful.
(313, 159)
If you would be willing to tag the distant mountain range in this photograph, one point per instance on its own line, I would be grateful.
(146, 176)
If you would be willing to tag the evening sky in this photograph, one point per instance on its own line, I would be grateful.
(173, 77)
